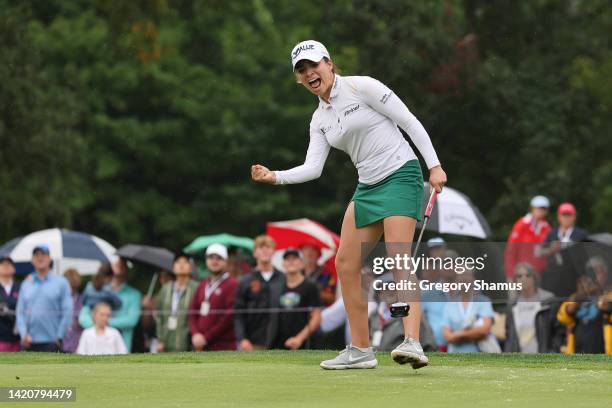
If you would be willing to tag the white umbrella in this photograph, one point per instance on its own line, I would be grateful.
(454, 213)
(68, 249)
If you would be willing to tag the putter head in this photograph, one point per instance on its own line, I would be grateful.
(399, 309)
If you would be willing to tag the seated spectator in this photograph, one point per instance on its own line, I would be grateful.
(73, 335)
(97, 291)
(126, 317)
(44, 306)
(210, 318)
(521, 313)
(295, 327)
(9, 292)
(468, 318)
(587, 312)
(321, 276)
(260, 289)
(172, 306)
(101, 339)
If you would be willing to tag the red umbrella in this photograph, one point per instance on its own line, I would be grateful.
(295, 233)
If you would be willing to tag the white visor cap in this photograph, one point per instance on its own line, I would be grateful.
(310, 50)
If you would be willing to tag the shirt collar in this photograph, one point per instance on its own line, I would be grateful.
(334, 92)
(36, 279)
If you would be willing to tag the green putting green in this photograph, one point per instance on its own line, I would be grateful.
(294, 379)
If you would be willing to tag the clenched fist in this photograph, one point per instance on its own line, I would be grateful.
(262, 174)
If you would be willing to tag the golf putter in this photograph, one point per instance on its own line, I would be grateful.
(401, 309)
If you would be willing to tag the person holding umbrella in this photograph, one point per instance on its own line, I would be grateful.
(360, 116)
(172, 307)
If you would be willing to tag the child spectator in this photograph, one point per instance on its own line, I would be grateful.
(101, 339)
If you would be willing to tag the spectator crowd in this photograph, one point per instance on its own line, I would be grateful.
(300, 307)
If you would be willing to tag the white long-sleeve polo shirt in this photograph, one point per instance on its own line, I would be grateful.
(361, 120)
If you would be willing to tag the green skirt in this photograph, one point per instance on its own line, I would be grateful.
(400, 193)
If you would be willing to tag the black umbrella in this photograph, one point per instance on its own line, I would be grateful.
(148, 255)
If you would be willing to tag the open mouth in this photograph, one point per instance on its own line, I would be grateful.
(315, 83)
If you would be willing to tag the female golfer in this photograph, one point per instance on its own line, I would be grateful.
(360, 115)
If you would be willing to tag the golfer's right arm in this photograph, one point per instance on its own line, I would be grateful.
(318, 150)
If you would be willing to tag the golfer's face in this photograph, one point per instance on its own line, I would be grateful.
(317, 77)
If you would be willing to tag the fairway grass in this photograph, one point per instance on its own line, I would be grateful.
(294, 379)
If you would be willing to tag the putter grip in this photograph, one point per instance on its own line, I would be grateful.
(430, 203)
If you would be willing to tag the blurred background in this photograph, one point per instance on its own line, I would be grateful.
(138, 121)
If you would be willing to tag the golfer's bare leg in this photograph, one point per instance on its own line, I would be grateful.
(400, 229)
(348, 266)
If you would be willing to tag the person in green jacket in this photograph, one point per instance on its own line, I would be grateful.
(172, 306)
(126, 317)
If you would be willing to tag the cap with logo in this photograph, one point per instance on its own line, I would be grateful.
(309, 50)
(217, 249)
(44, 248)
(539, 201)
(292, 251)
(566, 208)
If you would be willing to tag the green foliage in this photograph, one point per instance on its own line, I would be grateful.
(139, 121)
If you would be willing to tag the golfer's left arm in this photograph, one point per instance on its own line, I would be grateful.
(382, 99)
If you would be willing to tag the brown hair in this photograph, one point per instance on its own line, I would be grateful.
(99, 279)
(264, 240)
(73, 277)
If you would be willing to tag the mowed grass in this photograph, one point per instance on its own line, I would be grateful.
(294, 379)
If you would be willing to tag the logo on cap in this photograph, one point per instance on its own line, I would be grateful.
(301, 48)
